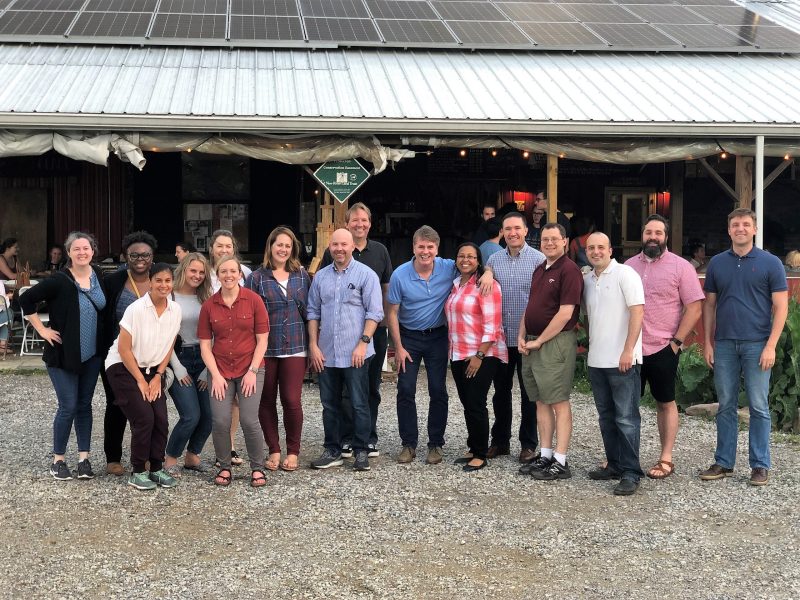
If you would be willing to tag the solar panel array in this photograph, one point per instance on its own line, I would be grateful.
(624, 25)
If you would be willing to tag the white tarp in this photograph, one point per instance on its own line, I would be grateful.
(93, 148)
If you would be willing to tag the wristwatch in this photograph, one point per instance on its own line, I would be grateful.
(253, 369)
(677, 342)
(365, 339)
(480, 355)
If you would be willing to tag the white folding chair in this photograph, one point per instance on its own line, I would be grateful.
(31, 340)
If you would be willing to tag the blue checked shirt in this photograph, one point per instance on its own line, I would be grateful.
(342, 301)
(287, 329)
(514, 274)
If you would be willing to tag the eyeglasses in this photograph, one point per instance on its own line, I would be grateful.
(538, 212)
(551, 240)
(466, 257)
(140, 255)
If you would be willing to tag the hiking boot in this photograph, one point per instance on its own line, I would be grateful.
(85, 469)
(495, 451)
(115, 468)
(60, 471)
(327, 459)
(604, 474)
(347, 451)
(407, 454)
(362, 461)
(372, 451)
(163, 478)
(540, 464)
(715, 472)
(141, 481)
(435, 455)
(759, 476)
(555, 470)
(626, 487)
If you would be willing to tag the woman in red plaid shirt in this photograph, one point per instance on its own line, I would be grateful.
(477, 347)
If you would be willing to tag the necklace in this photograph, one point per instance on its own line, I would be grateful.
(133, 284)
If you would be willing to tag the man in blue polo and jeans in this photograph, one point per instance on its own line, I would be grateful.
(747, 301)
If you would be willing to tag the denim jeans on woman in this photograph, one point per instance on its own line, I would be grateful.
(732, 360)
(74, 392)
(194, 407)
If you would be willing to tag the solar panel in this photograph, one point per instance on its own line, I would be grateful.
(256, 28)
(702, 36)
(468, 11)
(562, 35)
(632, 35)
(341, 30)
(730, 15)
(48, 5)
(28, 23)
(602, 13)
(674, 15)
(189, 26)
(541, 13)
(420, 32)
(277, 8)
(488, 33)
(584, 1)
(705, 2)
(626, 2)
(400, 9)
(121, 5)
(108, 24)
(194, 7)
(345, 9)
(770, 37)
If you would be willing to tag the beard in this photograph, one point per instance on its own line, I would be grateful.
(653, 250)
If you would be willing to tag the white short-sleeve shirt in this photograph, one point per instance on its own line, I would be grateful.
(152, 336)
(606, 300)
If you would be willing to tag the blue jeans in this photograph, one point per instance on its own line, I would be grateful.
(732, 360)
(194, 408)
(74, 392)
(331, 383)
(432, 347)
(616, 396)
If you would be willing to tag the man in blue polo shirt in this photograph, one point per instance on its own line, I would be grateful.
(417, 292)
(746, 306)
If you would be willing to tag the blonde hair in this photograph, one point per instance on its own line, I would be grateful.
(204, 289)
(227, 258)
(793, 260)
(293, 263)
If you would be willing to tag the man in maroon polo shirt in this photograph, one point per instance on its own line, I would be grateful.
(548, 343)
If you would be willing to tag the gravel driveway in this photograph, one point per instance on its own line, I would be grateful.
(398, 531)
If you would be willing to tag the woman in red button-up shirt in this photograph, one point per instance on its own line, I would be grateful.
(236, 319)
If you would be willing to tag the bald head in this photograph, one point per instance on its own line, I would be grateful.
(341, 247)
(598, 250)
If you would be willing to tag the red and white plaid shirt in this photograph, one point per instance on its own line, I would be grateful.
(473, 319)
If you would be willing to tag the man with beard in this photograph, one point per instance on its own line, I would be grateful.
(673, 302)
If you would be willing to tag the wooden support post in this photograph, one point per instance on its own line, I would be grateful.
(676, 176)
(339, 211)
(324, 231)
(552, 188)
(744, 181)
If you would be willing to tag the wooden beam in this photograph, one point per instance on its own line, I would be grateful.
(339, 211)
(718, 178)
(552, 188)
(777, 171)
(676, 174)
(744, 181)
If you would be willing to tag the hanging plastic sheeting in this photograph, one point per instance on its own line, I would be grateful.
(93, 148)
(293, 150)
(618, 151)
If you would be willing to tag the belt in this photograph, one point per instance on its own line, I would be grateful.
(425, 331)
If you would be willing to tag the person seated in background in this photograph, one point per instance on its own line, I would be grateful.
(697, 251)
(792, 262)
(5, 321)
(54, 262)
(488, 211)
(584, 227)
(182, 249)
(9, 260)
(494, 231)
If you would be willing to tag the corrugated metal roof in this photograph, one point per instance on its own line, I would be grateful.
(397, 91)
(783, 12)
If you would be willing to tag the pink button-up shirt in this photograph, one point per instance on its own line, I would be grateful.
(670, 283)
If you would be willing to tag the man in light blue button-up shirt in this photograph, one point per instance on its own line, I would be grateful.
(345, 305)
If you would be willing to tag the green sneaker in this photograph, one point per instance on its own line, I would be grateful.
(163, 479)
(141, 481)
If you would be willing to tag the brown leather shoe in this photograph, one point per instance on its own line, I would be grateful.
(759, 476)
(435, 455)
(528, 455)
(495, 451)
(407, 454)
(715, 472)
(115, 468)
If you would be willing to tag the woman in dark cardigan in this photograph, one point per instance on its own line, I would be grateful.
(75, 297)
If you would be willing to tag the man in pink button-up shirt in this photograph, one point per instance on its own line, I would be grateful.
(673, 303)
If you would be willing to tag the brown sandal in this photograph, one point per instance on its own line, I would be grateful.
(657, 471)
(257, 478)
(223, 480)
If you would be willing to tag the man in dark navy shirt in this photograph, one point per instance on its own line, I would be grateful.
(746, 305)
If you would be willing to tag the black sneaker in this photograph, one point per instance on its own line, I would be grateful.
(60, 471)
(326, 460)
(347, 451)
(85, 469)
(362, 461)
(555, 471)
(372, 451)
(603, 474)
(540, 464)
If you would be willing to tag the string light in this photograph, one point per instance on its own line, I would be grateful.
(462, 152)
(526, 154)
(723, 155)
(494, 152)
(786, 156)
(562, 155)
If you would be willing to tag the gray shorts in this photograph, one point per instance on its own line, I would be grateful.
(548, 373)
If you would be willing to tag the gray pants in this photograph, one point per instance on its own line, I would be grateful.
(248, 419)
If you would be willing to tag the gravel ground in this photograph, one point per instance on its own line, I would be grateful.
(398, 531)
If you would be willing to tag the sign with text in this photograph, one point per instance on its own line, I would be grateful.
(341, 178)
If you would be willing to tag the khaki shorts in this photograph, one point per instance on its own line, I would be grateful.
(549, 372)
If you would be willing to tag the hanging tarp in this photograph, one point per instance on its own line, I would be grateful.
(91, 147)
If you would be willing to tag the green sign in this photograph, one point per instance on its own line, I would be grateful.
(342, 178)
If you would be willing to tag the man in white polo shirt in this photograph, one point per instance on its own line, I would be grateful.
(613, 299)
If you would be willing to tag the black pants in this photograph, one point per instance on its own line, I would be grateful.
(502, 405)
(473, 392)
(114, 424)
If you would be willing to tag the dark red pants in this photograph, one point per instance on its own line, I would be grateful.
(287, 375)
(149, 425)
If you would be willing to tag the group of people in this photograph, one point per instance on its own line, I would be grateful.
(224, 342)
